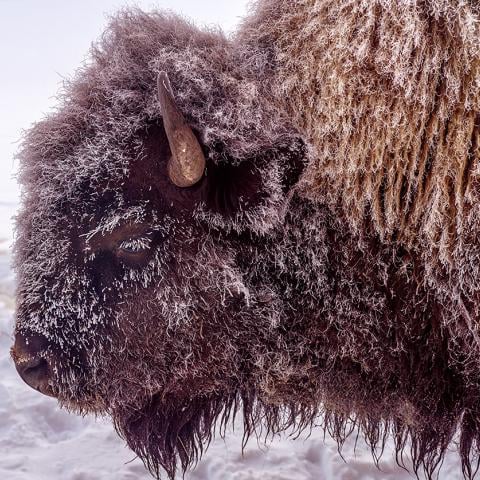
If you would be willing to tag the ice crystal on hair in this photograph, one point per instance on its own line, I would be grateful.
(121, 214)
(136, 244)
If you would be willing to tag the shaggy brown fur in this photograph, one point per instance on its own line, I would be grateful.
(389, 94)
(346, 297)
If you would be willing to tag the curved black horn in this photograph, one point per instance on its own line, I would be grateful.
(187, 165)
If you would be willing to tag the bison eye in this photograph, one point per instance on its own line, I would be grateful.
(135, 245)
(135, 251)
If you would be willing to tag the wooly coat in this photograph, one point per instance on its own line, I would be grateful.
(325, 269)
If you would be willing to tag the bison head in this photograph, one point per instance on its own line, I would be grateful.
(136, 229)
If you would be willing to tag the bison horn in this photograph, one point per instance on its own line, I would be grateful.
(187, 164)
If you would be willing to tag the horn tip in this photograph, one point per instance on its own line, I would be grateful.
(163, 82)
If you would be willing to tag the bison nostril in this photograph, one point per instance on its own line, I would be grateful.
(29, 354)
(35, 368)
(36, 374)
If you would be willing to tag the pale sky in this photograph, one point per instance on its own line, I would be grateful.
(44, 41)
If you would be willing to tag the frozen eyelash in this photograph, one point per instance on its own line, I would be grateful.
(135, 245)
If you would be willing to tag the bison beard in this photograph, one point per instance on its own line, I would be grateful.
(323, 270)
(161, 433)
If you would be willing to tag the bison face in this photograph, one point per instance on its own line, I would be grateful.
(130, 281)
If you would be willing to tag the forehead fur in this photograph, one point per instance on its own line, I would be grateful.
(113, 96)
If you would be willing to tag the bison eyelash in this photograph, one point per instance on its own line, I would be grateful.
(135, 245)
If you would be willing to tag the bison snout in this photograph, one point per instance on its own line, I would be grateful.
(31, 361)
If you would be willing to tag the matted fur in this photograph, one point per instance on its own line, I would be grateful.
(348, 298)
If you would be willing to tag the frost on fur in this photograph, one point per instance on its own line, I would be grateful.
(324, 270)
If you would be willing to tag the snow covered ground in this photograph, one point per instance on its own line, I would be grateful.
(38, 441)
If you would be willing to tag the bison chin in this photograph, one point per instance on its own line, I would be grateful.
(168, 433)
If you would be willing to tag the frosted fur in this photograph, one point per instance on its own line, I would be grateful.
(389, 93)
(348, 298)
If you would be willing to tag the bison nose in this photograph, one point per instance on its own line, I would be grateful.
(31, 362)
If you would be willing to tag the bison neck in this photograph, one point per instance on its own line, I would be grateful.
(336, 321)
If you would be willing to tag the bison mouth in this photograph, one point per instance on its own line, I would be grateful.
(169, 434)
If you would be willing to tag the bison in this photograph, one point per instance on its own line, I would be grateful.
(284, 223)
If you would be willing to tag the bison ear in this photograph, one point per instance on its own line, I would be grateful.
(250, 193)
(230, 189)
